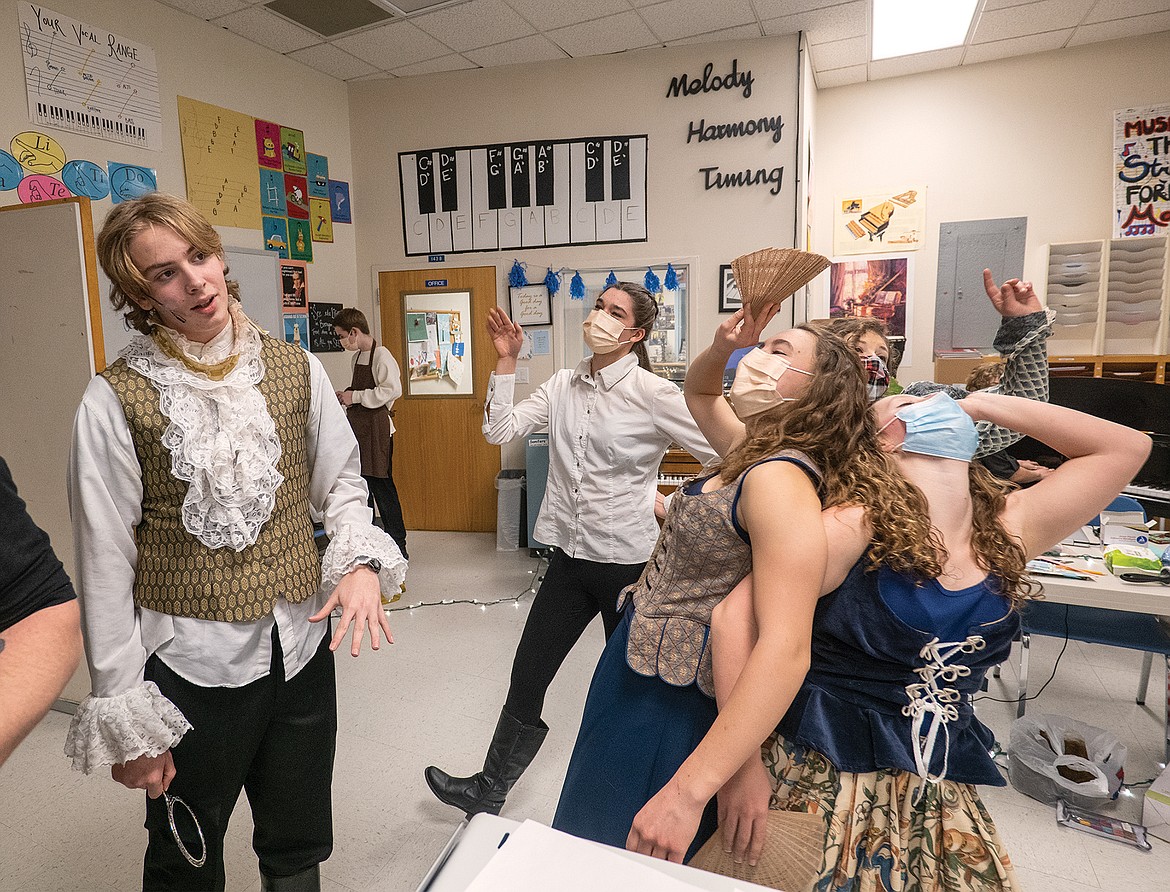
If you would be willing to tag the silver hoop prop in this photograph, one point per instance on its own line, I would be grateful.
(171, 802)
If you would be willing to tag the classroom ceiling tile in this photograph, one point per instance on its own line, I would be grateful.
(743, 32)
(334, 62)
(548, 14)
(393, 45)
(332, 18)
(613, 34)
(1004, 4)
(1124, 9)
(823, 25)
(207, 9)
(452, 62)
(840, 77)
(916, 63)
(536, 48)
(475, 24)
(775, 9)
(675, 19)
(840, 53)
(1131, 27)
(1017, 21)
(260, 26)
(1017, 46)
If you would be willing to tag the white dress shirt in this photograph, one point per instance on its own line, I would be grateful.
(105, 495)
(607, 435)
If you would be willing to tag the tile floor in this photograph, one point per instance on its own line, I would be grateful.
(434, 697)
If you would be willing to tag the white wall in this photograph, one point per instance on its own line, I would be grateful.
(1029, 137)
(595, 96)
(202, 61)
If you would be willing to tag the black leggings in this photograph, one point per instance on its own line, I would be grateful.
(573, 592)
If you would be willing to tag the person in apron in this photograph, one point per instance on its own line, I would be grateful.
(369, 402)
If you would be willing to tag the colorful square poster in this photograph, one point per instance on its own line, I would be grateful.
(296, 329)
(268, 145)
(296, 197)
(300, 240)
(292, 150)
(276, 235)
(339, 202)
(321, 224)
(272, 193)
(318, 175)
(129, 181)
(294, 290)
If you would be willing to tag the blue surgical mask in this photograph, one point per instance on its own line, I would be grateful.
(938, 426)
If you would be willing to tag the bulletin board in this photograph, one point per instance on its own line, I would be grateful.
(438, 344)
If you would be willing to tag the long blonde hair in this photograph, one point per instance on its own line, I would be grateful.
(832, 424)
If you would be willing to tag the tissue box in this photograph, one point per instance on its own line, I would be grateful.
(1156, 809)
(1124, 534)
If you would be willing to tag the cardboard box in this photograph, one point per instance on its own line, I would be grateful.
(1156, 808)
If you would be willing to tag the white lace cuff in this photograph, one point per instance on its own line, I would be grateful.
(362, 540)
(114, 730)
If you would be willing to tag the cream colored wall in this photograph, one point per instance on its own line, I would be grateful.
(1028, 137)
(576, 98)
(202, 61)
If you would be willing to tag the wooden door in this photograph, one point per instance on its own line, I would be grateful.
(444, 469)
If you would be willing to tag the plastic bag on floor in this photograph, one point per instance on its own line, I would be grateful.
(1055, 757)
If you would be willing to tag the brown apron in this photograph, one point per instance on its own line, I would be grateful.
(370, 426)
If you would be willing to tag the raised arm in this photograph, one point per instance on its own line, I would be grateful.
(703, 388)
(1102, 457)
(788, 556)
(503, 420)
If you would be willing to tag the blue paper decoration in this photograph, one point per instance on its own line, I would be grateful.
(577, 287)
(516, 277)
(652, 283)
(552, 281)
(670, 283)
(610, 280)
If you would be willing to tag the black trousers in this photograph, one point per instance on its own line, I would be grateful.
(573, 592)
(384, 494)
(274, 738)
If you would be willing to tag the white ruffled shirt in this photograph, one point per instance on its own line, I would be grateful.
(125, 717)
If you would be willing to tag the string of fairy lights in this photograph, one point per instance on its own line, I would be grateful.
(514, 600)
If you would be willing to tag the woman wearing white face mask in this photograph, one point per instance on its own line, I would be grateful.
(609, 421)
(884, 715)
(803, 436)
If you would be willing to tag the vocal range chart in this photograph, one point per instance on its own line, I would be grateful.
(89, 80)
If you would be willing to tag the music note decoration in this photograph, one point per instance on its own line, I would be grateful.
(219, 162)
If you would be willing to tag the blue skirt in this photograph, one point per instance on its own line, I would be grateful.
(635, 734)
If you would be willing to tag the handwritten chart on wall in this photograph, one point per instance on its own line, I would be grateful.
(89, 80)
(219, 161)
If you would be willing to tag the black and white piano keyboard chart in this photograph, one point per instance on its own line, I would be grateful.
(524, 195)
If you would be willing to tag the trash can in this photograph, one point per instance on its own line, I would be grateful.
(509, 508)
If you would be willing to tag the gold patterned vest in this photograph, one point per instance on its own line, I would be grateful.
(700, 557)
(179, 575)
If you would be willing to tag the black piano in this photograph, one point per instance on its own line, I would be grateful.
(1137, 404)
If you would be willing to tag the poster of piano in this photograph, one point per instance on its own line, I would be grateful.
(1141, 168)
(438, 358)
(880, 222)
(527, 194)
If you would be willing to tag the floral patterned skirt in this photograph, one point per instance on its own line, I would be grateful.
(890, 831)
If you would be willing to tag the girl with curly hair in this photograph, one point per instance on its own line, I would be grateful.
(881, 740)
(806, 441)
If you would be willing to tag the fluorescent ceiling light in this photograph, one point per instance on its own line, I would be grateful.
(902, 27)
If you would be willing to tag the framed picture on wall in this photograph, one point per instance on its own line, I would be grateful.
(531, 305)
(730, 299)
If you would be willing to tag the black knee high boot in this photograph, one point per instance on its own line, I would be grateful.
(514, 746)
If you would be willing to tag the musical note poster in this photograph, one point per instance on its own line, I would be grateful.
(339, 202)
(320, 223)
(129, 181)
(219, 161)
(526, 194)
(1141, 171)
(318, 175)
(88, 80)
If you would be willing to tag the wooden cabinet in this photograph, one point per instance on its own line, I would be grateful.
(677, 465)
(1112, 306)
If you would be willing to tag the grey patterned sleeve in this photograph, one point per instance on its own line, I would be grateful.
(1022, 341)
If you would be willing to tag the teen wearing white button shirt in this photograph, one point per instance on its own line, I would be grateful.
(609, 420)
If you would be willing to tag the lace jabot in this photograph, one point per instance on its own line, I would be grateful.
(222, 441)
